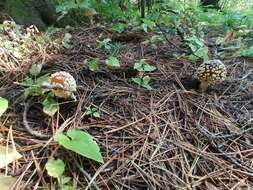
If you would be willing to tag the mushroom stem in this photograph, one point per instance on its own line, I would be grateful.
(91, 20)
(203, 85)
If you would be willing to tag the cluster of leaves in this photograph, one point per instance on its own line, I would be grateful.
(34, 87)
(143, 80)
(79, 142)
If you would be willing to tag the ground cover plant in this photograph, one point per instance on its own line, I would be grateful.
(129, 95)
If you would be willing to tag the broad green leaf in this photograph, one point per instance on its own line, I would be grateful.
(65, 179)
(50, 106)
(112, 61)
(247, 52)
(8, 155)
(146, 80)
(35, 69)
(55, 168)
(138, 66)
(66, 40)
(7, 182)
(68, 187)
(3, 105)
(96, 114)
(149, 68)
(80, 142)
(137, 80)
(147, 86)
(145, 83)
(93, 65)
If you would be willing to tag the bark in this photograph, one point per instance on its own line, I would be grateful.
(27, 12)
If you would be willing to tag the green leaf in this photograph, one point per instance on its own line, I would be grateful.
(80, 142)
(65, 179)
(3, 105)
(68, 187)
(145, 82)
(247, 52)
(50, 106)
(147, 86)
(93, 65)
(137, 80)
(112, 61)
(55, 168)
(35, 69)
(149, 68)
(139, 66)
(146, 79)
(66, 40)
(96, 114)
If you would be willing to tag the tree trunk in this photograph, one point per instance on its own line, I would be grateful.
(30, 12)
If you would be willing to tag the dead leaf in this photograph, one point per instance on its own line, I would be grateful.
(230, 37)
(6, 182)
(210, 186)
(8, 155)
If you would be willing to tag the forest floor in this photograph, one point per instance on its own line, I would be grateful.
(171, 137)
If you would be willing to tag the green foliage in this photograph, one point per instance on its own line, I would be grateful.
(50, 106)
(35, 70)
(55, 168)
(66, 41)
(34, 87)
(3, 105)
(74, 7)
(93, 65)
(144, 82)
(112, 62)
(90, 111)
(247, 52)
(198, 48)
(142, 66)
(81, 143)
(111, 48)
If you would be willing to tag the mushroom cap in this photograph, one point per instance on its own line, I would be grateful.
(212, 71)
(89, 12)
(65, 83)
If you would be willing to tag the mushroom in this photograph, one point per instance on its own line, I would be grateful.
(210, 73)
(63, 84)
(90, 12)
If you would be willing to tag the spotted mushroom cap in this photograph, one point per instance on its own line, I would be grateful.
(65, 82)
(212, 71)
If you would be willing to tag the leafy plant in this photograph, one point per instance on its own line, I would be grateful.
(66, 41)
(67, 7)
(56, 168)
(93, 112)
(50, 106)
(144, 82)
(198, 48)
(34, 87)
(112, 62)
(247, 52)
(81, 143)
(3, 105)
(105, 43)
(142, 66)
(93, 65)
(111, 48)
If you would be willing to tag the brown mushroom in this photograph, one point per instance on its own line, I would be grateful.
(210, 73)
(90, 12)
(64, 84)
